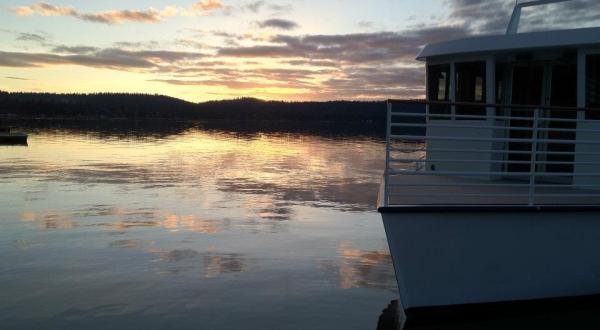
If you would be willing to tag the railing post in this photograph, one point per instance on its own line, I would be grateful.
(388, 146)
(533, 162)
(452, 93)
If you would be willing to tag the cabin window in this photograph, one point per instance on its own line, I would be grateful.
(501, 86)
(470, 88)
(438, 81)
(593, 86)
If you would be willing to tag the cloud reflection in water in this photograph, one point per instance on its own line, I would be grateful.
(357, 268)
(311, 170)
(211, 264)
(123, 219)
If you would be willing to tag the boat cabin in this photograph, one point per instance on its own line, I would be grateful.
(520, 111)
(557, 78)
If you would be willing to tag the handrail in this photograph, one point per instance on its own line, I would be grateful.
(515, 19)
(387, 155)
(494, 105)
(466, 162)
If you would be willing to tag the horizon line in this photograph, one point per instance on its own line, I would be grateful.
(238, 98)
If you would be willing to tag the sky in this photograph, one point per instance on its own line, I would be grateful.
(292, 50)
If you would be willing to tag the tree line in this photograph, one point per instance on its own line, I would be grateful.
(145, 106)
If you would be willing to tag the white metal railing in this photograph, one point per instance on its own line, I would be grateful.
(488, 154)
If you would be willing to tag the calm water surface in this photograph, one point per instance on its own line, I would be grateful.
(201, 229)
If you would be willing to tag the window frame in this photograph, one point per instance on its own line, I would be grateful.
(448, 72)
(586, 57)
(439, 111)
(472, 110)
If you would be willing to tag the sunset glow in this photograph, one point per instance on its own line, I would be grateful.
(220, 49)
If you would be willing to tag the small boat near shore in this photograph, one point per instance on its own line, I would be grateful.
(493, 207)
(12, 138)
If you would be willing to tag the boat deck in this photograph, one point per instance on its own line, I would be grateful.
(456, 190)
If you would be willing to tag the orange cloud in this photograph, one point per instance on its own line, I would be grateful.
(208, 5)
(118, 16)
(121, 16)
(44, 9)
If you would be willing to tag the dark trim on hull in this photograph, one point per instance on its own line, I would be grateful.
(487, 208)
(551, 310)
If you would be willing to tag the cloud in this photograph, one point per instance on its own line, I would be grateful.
(259, 51)
(152, 44)
(118, 16)
(350, 48)
(110, 58)
(34, 37)
(381, 81)
(376, 65)
(17, 78)
(121, 16)
(258, 5)
(323, 83)
(44, 9)
(320, 67)
(190, 43)
(365, 24)
(330, 77)
(226, 72)
(255, 6)
(74, 49)
(232, 84)
(208, 5)
(370, 65)
(281, 8)
(571, 14)
(310, 63)
(279, 24)
(476, 14)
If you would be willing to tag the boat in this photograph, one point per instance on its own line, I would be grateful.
(12, 138)
(491, 196)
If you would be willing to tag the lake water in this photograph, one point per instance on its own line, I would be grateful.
(198, 229)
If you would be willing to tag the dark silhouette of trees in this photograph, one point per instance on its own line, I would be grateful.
(143, 106)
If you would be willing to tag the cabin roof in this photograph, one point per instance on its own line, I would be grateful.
(512, 42)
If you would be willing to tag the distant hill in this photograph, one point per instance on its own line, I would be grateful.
(143, 106)
(92, 105)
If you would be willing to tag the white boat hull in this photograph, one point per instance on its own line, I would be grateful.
(460, 257)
